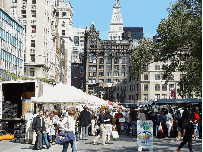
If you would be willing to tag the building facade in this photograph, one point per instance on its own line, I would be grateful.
(39, 20)
(106, 61)
(65, 29)
(116, 25)
(78, 46)
(12, 46)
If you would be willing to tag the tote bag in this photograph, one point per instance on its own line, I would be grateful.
(62, 138)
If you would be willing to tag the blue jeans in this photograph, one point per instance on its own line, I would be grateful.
(134, 127)
(73, 146)
(44, 139)
(84, 132)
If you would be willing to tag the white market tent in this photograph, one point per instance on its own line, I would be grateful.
(61, 93)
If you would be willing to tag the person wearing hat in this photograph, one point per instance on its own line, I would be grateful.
(68, 125)
(85, 121)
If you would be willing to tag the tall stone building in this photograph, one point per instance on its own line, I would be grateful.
(116, 25)
(38, 18)
(65, 30)
(106, 61)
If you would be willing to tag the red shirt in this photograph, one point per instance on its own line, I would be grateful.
(118, 116)
(196, 117)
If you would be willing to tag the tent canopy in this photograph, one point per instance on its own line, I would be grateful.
(171, 101)
(61, 93)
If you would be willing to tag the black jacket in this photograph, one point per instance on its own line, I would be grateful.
(133, 115)
(108, 116)
(85, 119)
(37, 126)
(100, 120)
(188, 126)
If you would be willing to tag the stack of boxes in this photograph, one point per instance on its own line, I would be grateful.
(19, 132)
(9, 110)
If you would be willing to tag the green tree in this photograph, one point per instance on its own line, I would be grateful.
(181, 40)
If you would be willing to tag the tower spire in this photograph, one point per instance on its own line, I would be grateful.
(116, 25)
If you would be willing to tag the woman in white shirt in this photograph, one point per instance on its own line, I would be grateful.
(55, 123)
(68, 125)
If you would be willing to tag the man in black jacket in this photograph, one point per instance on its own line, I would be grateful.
(188, 130)
(85, 121)
(39, 128)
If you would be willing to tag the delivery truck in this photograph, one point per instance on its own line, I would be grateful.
(15, 99)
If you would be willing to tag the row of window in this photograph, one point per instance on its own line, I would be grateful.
(108, 74)
(109, 60)
(109, 53)
(132, 87)
(133, 97)
(158, 77)
(8, 22)
(114, 47)
(108, 67)
(10, 58)
(164, 87)
(12, 40)
(25, 1)
(102, 80)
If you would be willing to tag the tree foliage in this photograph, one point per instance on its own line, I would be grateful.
(181, 39)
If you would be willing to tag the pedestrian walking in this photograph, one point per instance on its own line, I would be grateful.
(187, 131)
(169, 120)
(68, 125)
(28, 120)
(52, 130)
(196, 119)
(55, 123)
(100, 123)
(85, 121)
(47, 126)
(178, 118)
(39, 127)
(34, 133)
(159, 121)
(117, 117)
(133, 117)
(108, 123)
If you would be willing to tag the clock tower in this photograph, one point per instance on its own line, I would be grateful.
(116, 25)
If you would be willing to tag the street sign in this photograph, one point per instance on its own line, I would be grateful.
(145, 134)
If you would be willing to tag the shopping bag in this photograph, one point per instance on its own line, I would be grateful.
(160, 128)
(64, 137)
(115, 134)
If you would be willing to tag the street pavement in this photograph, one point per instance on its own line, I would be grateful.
(123, 144)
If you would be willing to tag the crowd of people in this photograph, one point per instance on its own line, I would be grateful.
(43, 127)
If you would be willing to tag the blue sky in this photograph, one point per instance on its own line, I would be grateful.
(135, 13)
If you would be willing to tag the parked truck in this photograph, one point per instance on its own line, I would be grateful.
(15, 99)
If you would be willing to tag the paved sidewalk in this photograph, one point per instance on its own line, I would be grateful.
(123, 144)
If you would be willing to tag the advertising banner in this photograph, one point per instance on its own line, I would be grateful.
(145, 134)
